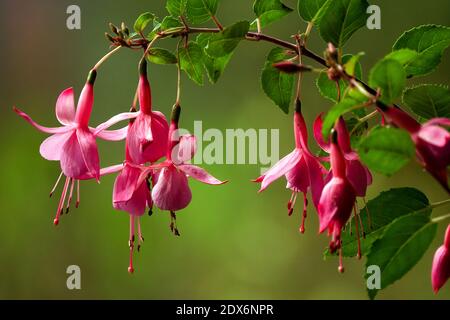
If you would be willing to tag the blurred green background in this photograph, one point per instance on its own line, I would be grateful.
(234, 242)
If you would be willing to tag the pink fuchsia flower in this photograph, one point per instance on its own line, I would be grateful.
(301, 169)
(440, 271)
(337, 199)
(147, 137)
(171, 191)
(132, 195)
(358, 174)
(73, 144)
(431, 139)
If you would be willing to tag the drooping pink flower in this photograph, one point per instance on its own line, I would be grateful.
(132, 195)
(147, 137)
(440, 271)
(73, 144)
(337, 199)
(301, 169)
(171, 191)
(432, 142)
(357, 173)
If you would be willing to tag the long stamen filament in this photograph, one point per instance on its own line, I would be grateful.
(61, 202)
(70, 195)
(357, 233)
(56, 184)
(131, 244)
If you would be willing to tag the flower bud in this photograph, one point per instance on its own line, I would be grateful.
(291, 67)
(113, 28)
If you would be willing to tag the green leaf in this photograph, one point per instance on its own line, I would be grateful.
(161, 56)
(386, 150)
(403, 56)
(341, 19)
(142, 21)
(401, 246)
(429, 41)
(223, 43)
(269, 11)
(200, 11)
(328, 89)
(353, 63)
(277, 85)
(390, 76)
(428, 100)
(214, 66)
(382, 210)
(176, 8)
(346, 105)
(170, 22)
(191, 61)
(311, 10)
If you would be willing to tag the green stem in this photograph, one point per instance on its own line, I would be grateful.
(105, 57)
(440, 218)
(439, 204)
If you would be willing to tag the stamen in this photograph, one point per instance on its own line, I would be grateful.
(357, 232)
(70, 195)
(173, 223)
(341, 265)
(291, 203)
(78, 194)
(369, 219)
(61, 202)
(131, 244)
(140, 237)
(56, 184)
(305, 204)
(360, 221)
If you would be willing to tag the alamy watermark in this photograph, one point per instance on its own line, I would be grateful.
(235, 146)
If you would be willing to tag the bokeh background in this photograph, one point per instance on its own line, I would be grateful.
(235, 243)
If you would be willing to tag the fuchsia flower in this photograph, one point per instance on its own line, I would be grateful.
(431, 139)
(73, 144)
(133, 196)
(301, 168)
(358, 174)
(171, 191)
(147, 138)
(440, 272)
(337, 199)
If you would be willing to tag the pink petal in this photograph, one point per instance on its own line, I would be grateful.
(140, 148)
(112, 121)
(126, 184)
(65, 107)
(440, 271)
(185, 149)
(343, 136)
(103, 171)
(315, 172)
(111, 169)
(199, 174)
(434, 135)
(71, 160)
(137, 203)
(438, 121)
(298, 178)
(281, 168)
(89, 151)
(317, 130)
(39, 127)
(358, 175)
(336, 203)
(113, 135)
(52, 147)
(171, 192)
